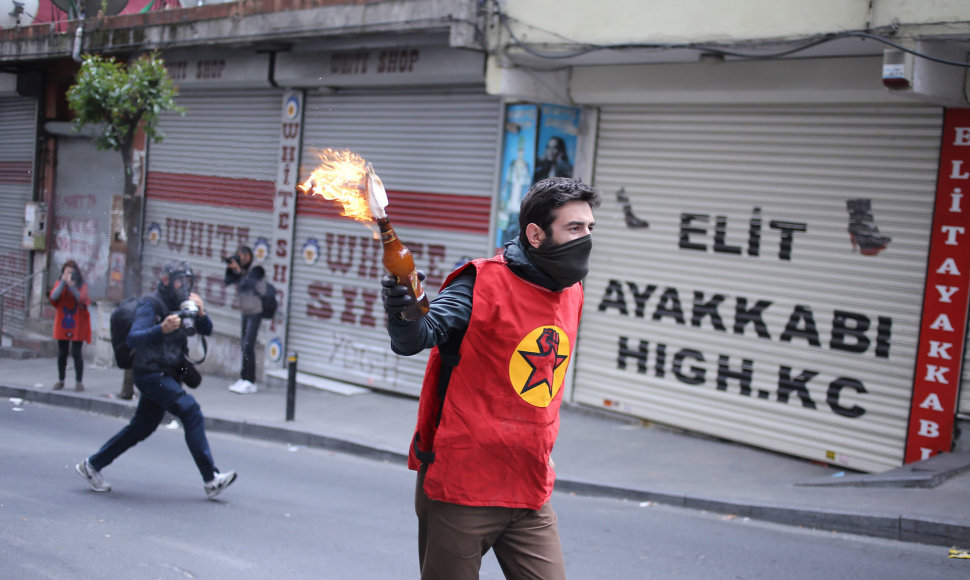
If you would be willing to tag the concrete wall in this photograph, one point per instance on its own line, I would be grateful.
(678, 21)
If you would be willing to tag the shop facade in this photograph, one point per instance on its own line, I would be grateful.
(761, 261)
(226, 175)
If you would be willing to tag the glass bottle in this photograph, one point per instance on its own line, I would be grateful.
(399, 262)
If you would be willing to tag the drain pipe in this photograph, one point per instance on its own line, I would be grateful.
(271, 73)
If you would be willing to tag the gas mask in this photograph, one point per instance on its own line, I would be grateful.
(566, 263)
(181, 282)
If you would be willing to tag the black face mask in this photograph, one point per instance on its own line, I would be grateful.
(173, 297)
(566, 263)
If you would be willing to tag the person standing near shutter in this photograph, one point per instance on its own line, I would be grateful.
(72, 322)
(250, 286)
(501, 333)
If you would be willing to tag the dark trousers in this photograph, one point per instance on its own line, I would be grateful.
(75, 346)
(453, 538)
(250, 328)
(160, 393)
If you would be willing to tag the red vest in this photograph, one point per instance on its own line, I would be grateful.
(500, 416)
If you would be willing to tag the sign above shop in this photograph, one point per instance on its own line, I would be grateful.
(217, 69)
(385, 66)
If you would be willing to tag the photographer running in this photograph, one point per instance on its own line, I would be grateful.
(159, 344)
(251, 286)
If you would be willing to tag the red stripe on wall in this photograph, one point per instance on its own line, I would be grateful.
(15, 172)
(461, 213)
(248, 194)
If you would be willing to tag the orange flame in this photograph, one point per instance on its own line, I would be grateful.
(341, 177)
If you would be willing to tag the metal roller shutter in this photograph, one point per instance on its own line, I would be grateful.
(210, 188)
(18, 125)
(742, 310)
(436, 153)
(87, 178)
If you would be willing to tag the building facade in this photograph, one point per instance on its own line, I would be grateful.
(778, 261)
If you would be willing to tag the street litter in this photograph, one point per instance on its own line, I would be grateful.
(16, 401)
(294, 448)
(956, 553)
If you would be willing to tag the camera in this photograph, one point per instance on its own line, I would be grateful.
(231, 259)
(189, 313)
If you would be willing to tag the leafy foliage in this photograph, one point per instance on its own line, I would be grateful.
(122, 97)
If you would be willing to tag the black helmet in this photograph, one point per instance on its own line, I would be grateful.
(176, 270)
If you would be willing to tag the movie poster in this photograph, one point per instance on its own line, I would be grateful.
(518, 161)
(556, 146)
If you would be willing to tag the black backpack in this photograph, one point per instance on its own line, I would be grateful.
(269, 301)
(121, 320)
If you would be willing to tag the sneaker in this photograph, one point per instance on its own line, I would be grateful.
(235, 385)
(244, 388)
(92, 476)
(220, 482)
(79, 387)
(58, 386)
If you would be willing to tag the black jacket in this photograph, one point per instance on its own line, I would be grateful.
(452, 309)
(153, 350)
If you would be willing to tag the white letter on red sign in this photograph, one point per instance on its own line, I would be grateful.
(946, 292)
(948, 267)
(942, 322)
(951, 234)
(957, 167)
(938, 349)
(932, 402)
(929, 428)
(962, 136)
(934, 374)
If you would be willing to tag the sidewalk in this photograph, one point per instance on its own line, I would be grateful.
(596, 454)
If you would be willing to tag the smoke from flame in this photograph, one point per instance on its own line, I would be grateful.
(341, 177)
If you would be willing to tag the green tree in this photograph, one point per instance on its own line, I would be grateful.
(122, 98)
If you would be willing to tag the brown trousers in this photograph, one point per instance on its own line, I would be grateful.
(453, 538)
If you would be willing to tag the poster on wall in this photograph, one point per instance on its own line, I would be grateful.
(539, 142)
(556, 148)
(518, 161)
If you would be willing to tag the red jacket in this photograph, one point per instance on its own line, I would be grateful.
(500, 416)
(72, 321)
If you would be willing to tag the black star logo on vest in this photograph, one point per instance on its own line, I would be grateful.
(545, 362)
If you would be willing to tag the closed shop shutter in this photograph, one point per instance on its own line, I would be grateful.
(18, 126)
(87, 179)
(726, 296)
(436, 154)
(210, 188)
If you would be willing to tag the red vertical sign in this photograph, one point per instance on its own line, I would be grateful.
(943, 327)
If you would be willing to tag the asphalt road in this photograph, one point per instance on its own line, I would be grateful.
(302, 513)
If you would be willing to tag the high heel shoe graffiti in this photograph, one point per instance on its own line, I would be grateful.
(863, 232)
(632, 221)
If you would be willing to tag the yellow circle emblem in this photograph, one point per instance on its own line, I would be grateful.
(538, 365)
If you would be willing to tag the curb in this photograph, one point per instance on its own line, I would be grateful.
(902, 528)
